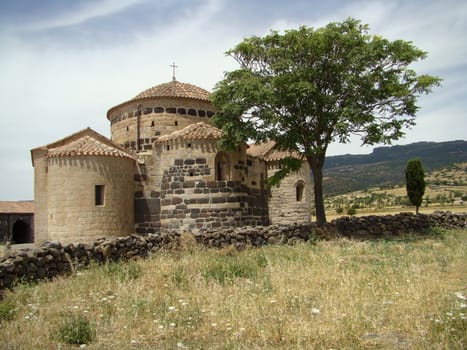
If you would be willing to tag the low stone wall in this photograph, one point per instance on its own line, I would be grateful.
(53, 259)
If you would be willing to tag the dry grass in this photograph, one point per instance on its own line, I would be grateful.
(333, 295)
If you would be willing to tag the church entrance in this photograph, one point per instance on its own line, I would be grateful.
(21, 232)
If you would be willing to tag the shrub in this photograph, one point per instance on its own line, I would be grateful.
(351, 211)
(7, 310)
(226, 269)
(123, 271)
(75, 329)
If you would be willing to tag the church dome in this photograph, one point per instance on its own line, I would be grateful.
(174, 89)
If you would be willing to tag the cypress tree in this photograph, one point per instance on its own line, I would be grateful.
(415, 182)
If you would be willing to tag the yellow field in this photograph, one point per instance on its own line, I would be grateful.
(404, 294)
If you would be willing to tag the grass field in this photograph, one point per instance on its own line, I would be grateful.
(404, 294)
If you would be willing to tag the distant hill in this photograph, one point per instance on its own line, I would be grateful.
(386, 165)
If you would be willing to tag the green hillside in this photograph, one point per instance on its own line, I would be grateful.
(385, 165)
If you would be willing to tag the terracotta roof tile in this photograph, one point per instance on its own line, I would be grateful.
(174, 88)
(86, 142)
(197, 131)
(20, 207)
(260, 149)
(266, 151)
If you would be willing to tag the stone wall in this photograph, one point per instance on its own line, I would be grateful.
(53, 259)
(284, 205)
(138, 124)
(73, 212)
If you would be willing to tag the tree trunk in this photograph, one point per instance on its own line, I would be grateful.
(416, 209)
(316, 166)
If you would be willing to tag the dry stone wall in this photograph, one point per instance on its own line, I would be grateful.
(52, 259)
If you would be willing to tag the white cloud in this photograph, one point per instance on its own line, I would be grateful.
(84, 12)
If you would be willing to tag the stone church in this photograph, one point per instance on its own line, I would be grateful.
(160, 171)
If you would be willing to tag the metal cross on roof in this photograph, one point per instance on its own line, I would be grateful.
(173, 66)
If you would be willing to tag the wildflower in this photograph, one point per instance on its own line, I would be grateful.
(462, 305)
(172, 325)
(172, 308)
(214, 324)
(161, 327)
(315, 311)
(133, 341)
(460, 296)
(180, 345)
(273, 301)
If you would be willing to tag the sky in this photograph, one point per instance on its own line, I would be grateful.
(64, 64)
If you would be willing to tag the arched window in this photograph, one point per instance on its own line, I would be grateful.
(299, 188)
(222, 165)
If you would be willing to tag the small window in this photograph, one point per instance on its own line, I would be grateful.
(299, 191)
(176, 123)
(188, 145)
(152, 123)
(167, 147)
(99, 195)
(191, 173)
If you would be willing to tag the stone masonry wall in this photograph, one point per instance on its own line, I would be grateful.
(284, 207)
(72, 212)
(142, 122)
(52, 259)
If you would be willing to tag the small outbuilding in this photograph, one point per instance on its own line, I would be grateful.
(17, 222)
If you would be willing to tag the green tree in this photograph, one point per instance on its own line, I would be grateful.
(415, 182)
(307, 88)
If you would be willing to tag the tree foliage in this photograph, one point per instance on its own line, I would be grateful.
(306, 88)
(415, 182)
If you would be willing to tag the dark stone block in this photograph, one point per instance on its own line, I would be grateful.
(158, 110)
(177, 200)
(179, 191)
(226, 190)
(147, 110)
(146, 208)
(181, 111)
(139, 194)
(189, 162)
(201, 160)
(165, 186)
(214, 190)
(218, 200)
(204, 200)
(201, 113)
(198, 190)
(175, 185)
(201, 184)
(212, 184)
(171, 110)
(192, 112)
(155, 194)
(189, 184)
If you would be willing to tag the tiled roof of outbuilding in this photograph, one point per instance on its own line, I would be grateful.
(197, 131)
(86, 142)
(19, 207)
